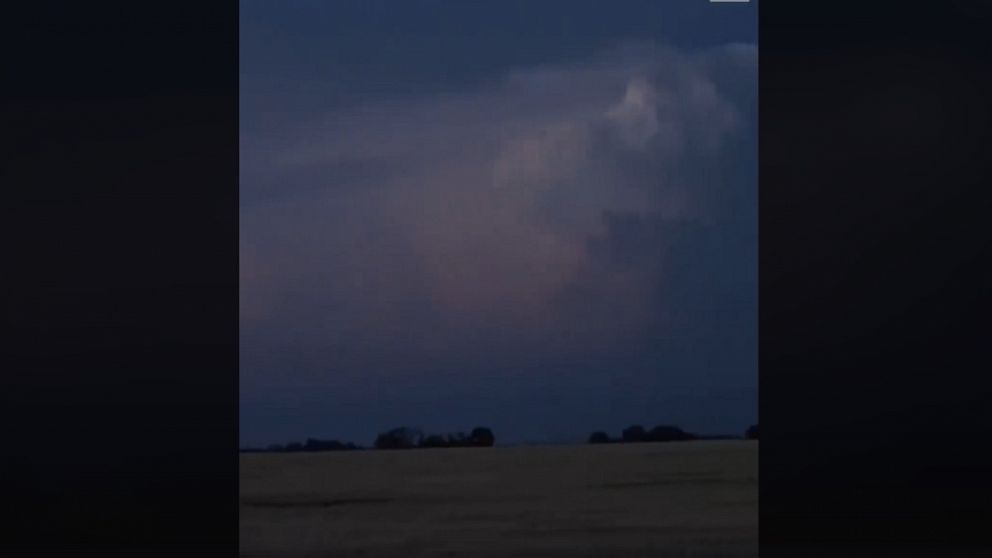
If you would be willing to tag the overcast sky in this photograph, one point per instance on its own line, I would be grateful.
(539, 217)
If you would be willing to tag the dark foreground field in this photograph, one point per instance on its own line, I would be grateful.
(694, 499)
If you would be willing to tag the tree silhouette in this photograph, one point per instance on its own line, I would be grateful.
(403, 437)
(636, 433)
(399, 438)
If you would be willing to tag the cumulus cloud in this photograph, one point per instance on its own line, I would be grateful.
(560, 210)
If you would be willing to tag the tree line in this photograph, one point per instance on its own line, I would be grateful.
(407, 438)
(397, 438)
(664, 433)
(404, 437)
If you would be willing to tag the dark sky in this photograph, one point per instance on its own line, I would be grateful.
(535, 216)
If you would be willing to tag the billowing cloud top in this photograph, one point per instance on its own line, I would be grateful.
(584, 224)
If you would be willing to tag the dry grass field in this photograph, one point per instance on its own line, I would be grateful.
(695, 499)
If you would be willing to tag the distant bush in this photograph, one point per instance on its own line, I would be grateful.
(399, 438)
(636, 433)
(406, 438)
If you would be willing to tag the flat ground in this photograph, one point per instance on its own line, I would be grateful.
(695, 499)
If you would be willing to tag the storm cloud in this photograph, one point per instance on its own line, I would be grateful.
(576, 238)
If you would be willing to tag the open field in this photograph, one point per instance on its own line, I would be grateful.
(690, 499)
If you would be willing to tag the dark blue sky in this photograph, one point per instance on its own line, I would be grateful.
(535, 216)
